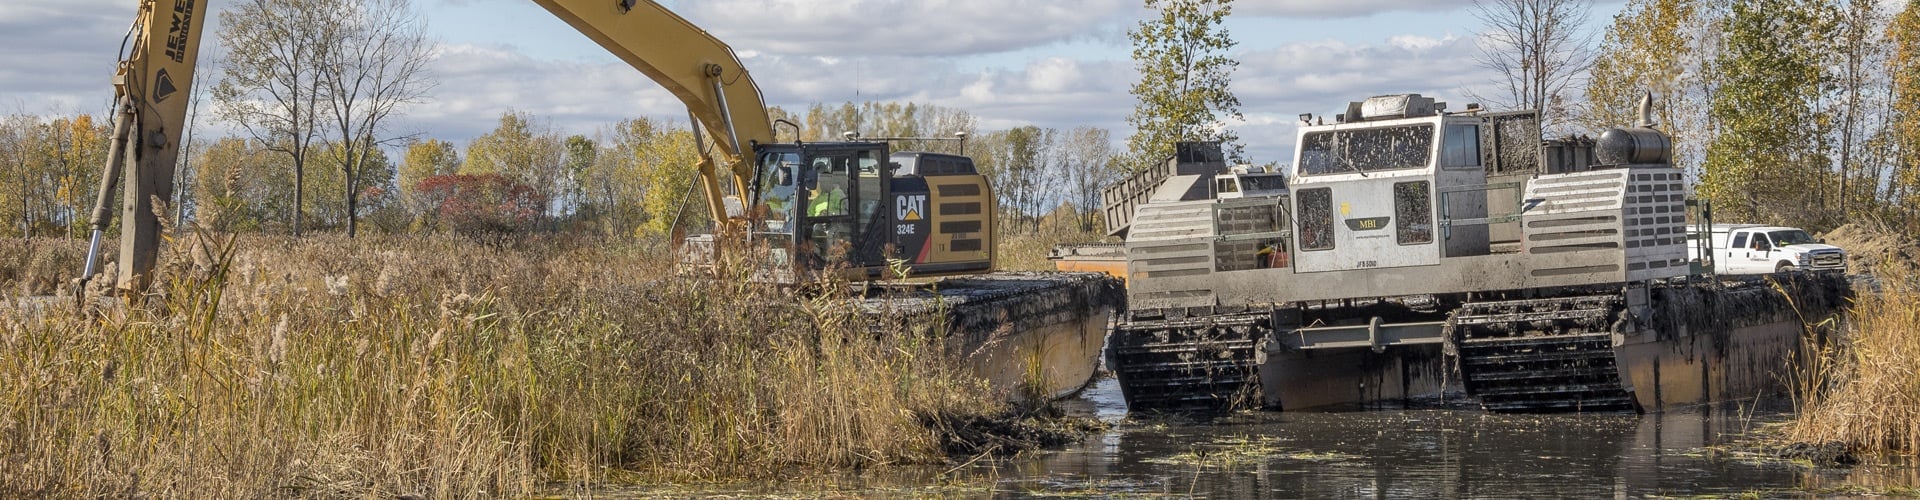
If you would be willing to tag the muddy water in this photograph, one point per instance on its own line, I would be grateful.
(1441, 451)
(1448, 450)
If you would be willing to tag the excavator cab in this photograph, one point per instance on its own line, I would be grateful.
(854, 208)
(819, 204)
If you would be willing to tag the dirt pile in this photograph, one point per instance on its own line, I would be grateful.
(1871, 245)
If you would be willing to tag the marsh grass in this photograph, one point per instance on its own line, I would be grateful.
(1863, 391)
(436, 366)
(37, 266)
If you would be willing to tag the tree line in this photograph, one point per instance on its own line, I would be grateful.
(630, 178)
(1801, 112)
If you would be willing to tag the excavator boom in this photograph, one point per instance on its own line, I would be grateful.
(697, 68)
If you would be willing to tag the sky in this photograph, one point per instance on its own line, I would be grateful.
(1055, 63)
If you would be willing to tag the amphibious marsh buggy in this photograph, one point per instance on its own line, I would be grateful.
(1416, 251)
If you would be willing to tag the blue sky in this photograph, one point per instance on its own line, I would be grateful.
(1060, 63)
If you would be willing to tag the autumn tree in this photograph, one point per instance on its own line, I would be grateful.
(420, 160)
(372, 177)
(76, 152)
(529, 153)
(49, 171)
(638, 179)
(19, 135)
(1015, 162)
(1855, 47)
(1184, 92)
(241, 185)
(1637, 55)
(481, 204)
(612, 186)
(1903, 35)
(1768, 159)
(269, 84)
(580, 155)
(1537, 48)
(666, 160)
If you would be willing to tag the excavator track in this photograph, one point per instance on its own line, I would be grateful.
(1541, 355)
(1188, 360)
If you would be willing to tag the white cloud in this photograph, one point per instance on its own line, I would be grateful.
(1275, 85)
(1053, 74)
(60, 57)
(1324, 9)
(903, 27)
(477, 84)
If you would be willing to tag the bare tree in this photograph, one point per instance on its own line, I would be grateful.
(376, 65)
(1090, 166)
(269, 83)
(1538, 48)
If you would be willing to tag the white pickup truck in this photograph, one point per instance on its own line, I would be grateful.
(1758, 249)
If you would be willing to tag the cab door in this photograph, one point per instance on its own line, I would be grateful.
(840, 205)
(1738, 252)
(828, 191)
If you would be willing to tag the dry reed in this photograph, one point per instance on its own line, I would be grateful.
(1864, 390)
(434, 366)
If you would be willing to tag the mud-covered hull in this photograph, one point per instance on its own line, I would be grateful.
(1737, 341)
(1029, 335)
(1647, 348)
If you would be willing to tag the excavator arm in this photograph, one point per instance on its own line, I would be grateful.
(151, 91)
(697, 68)
(154, 81)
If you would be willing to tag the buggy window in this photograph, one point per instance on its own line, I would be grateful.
(1316, 219)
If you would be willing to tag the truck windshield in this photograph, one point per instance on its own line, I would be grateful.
(1789, 237)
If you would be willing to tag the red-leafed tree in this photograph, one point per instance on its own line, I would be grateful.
(480, 204)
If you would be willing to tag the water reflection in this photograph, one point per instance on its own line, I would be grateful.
(1445, 452)
(1430, 453)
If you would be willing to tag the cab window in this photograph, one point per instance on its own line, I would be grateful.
(1461, 148)
(1413, 213)
(1316, 219)
(1264, 183)
(778, 177)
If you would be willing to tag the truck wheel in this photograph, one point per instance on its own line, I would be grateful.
(1783, 267)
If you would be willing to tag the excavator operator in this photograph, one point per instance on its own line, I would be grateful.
(831, 201)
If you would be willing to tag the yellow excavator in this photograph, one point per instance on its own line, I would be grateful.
(845, 206)
(855, 209)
